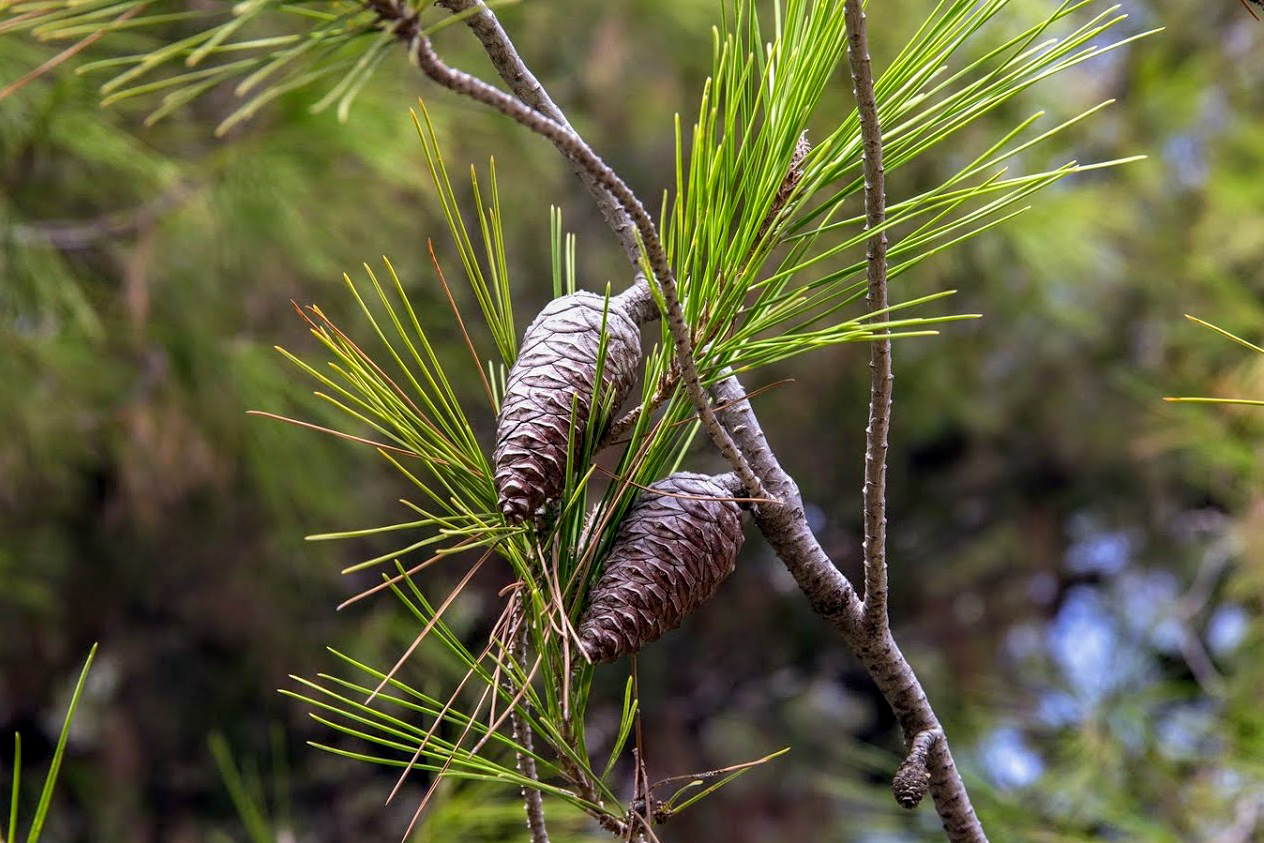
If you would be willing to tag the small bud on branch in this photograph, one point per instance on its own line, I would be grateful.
(912, 779)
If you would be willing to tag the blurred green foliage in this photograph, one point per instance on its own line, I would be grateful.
(1076, 565)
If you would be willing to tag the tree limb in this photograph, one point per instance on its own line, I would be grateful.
(876, 434)
(833, 598)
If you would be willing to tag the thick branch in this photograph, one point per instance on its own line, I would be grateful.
(875, 490)
(581, 154)
(785, 526)
(832, 597)
(504, 57)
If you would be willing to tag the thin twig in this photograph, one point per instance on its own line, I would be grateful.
(532, 798)
(619, 428)
(526, 87)
(875, 490)
(641, 786)
(929, 761)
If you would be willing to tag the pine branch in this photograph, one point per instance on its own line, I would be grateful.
(405, 25)
(783, 524)
(876, 434)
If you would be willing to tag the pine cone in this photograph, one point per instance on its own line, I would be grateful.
(670, 556)
(911, 782)
(558, 364)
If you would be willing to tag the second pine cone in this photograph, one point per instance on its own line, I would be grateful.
(669, 557)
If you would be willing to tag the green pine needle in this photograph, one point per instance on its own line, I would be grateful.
(54, 767)
(1247, 402)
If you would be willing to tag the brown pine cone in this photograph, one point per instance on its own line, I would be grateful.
(911, 782)
(670, 556)
(558, 364)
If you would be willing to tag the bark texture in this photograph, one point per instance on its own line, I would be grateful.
(550, 394)
(670, 556)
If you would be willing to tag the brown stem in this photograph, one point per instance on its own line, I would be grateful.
(875, 490)
(833, 598)
(532, 798)
(624, 424)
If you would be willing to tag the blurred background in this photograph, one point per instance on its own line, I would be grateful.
(1077, 567)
